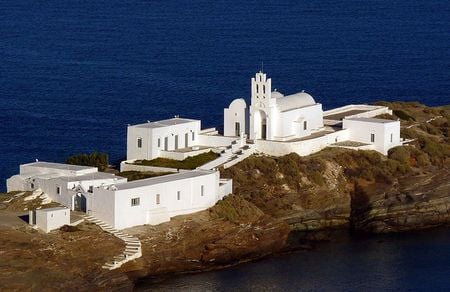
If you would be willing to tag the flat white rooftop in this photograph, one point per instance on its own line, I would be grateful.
(59, 166)
(163, 179)
(91, 176)
(165, 123)
(51, 209)
(372, 120)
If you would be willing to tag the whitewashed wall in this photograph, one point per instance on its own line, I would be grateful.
(50, 220)
(302, 148)
(103, 205)
(182, 155)
(290, 123)
(129, 166)
(361, 131)
(215, 141)
(150, 136)
(123, 215)
(17, 183)
(236, 113)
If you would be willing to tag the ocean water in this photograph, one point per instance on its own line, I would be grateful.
(73, 74)
(417, 261)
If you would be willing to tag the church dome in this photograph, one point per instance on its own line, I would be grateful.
(295, 101)
(276, 94)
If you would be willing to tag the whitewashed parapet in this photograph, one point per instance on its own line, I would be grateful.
(225, 187)
(303, 147)
(129, 166)
(176, 155)
(370, 110)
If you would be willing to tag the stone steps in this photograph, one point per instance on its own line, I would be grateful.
(132, 250)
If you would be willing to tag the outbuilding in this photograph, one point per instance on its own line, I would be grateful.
(384, 134)
(50, 219)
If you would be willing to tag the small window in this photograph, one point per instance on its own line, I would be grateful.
(32, 185)
(91, 189)
(178, 195)
(135, 202)
(58, 190)
(158, 199)
(159, 142)
(202, 190)
(139, 142)
(305, 125)
(257, 88)
(372, 138)
(392, 137)
(193, 136)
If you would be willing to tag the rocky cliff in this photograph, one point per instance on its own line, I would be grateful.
(274, 197)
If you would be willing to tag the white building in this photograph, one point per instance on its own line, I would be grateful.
(383, 134)
(112, 199)
(156, 200)
(279, 124)
(274, 116)
(50, 219)
(69, 185)
(154, 139)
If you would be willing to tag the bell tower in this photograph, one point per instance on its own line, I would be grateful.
(262, 108)
(261, 90)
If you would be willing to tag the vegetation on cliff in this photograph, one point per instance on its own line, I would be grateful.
(95, 159)
(336, 187)
(188, 163)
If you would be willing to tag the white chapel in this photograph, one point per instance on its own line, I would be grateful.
(272, 115)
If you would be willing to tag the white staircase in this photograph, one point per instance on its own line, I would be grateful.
(133, 249)
(232, 155)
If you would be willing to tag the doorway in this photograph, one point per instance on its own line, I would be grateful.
(79, 202)
(237, 129)
(264, 129)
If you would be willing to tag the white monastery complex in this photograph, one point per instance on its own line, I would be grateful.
(272, 124)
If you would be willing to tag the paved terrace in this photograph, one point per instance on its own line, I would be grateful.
(340, 116)
(312, 136)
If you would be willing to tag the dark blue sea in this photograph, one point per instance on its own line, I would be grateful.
(401, 262)
(73, 74)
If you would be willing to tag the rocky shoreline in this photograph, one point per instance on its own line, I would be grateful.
(283, 204)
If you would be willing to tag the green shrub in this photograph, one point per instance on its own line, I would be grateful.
(403, 115)
(135, 175)
(95, 159)
(401, 154)
(188, 163)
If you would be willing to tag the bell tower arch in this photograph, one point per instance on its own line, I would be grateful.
(262, 106)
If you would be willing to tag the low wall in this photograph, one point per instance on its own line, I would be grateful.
(182, 155)
(128, 166)
(225, 187)
(302, 148)
(215, 141)
(371, 110)
(364, 147)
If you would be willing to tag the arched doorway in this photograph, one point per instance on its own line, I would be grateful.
(260, 125)
(79, 202)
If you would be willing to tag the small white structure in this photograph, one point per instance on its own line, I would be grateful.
(236, 117)
(69, 185)
(154, 139)
(383, 134)
(156, 200)
(50, 219)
